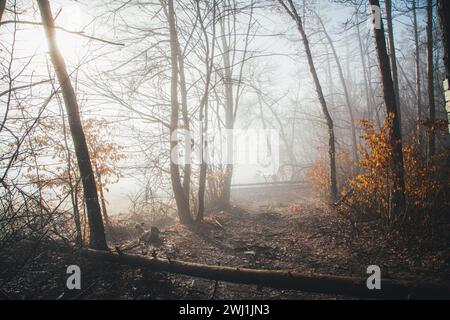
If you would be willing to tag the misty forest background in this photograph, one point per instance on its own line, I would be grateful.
(91, 91)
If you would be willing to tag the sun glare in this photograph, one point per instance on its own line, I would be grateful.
(33, 40)
(70, 19)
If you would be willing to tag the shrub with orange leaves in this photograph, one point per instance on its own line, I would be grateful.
(318, 176)
(372, 188)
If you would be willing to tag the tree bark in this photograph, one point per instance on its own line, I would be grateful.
(430, 76)
(229, 119)
(100, 190)
(204, 105)
(97, 233)
(346, 93)
(418, 81)
(283, 135)
(368, 90)
(287, 280)
(398, 189)
(393, 57)
(180, 196)
(186, 124)
(2, 8)
(331, 138)
(444, 17)
(73, 185)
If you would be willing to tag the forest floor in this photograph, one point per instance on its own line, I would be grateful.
(256, 233)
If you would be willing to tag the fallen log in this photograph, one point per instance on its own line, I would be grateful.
(287, 280)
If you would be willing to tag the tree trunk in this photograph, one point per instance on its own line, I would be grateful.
(202, 178)
(73, 185)
(229, 120)
(418, 82)
(180, 196)
(204, 105)
(283, 135)
(444, 17)
(100, 190)
(369, 97)
(97, 233)
(346, 93)
(186, 125)
(76, 216)
(372, 91)
(280, 279)
(430, 76)
(398, 189)
(2, 8)
(393, 57)
(331, 139)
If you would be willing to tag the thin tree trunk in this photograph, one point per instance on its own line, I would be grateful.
(97, 238)
(100, 190)
(346, 93)
(430, 76)
(330, 80)
(331, 138)
(72, 184)
(76, 213)
(203, 167)
(180, 196)
(229, 119)
(186, 125)
(283, 135)
(204, 105)
(369, 105)
(418, 82)
(398, 189)
(231, 98)
(372, 91)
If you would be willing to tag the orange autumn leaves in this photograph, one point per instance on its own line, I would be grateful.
(54, 161)
(371, 189)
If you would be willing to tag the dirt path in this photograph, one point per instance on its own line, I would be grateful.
(268, 240)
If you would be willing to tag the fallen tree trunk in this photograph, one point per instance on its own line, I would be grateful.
(349, 286)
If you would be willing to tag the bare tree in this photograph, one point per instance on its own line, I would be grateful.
(370, 103)
(229, 113)
(204, 103)
(398, 188)
(291, 10)
(393, 55)
(418, 79)
(181, 198)
(346, 92)
(232, 74)
(97, 238)
(430, 79)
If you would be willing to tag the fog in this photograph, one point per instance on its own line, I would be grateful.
(121, 73)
